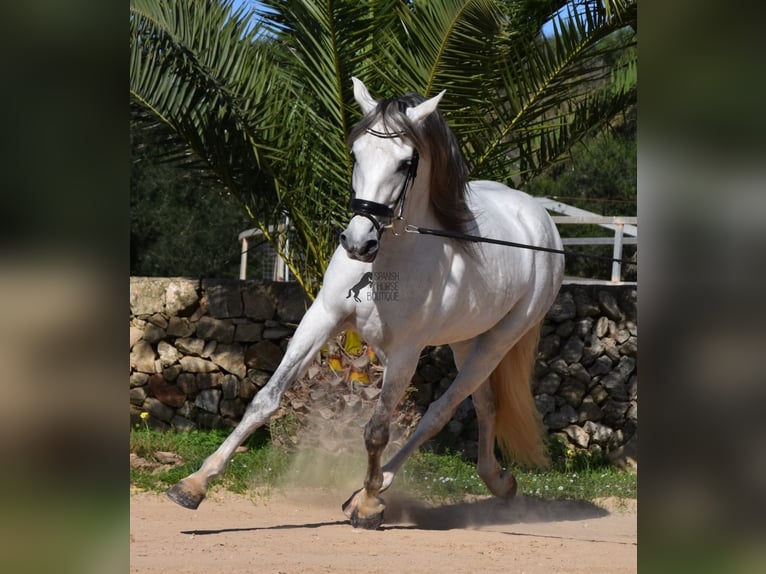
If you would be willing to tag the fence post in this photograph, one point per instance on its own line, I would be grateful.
(243, 260)
(617, 252)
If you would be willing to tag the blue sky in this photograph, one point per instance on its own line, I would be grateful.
(547, 28)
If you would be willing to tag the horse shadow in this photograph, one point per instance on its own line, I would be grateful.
(404, 511)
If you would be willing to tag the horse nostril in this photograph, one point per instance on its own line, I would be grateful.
(369, 246)
(344, 240)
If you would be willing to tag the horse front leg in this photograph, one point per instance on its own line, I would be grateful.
(314, 330)
(365, 507)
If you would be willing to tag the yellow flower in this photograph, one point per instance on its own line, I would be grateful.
(144, 415)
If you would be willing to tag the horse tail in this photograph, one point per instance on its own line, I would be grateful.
(518, 428)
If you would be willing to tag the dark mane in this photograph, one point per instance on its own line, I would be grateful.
(449, 171)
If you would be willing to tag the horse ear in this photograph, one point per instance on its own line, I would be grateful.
(421, 111)
(363, 97)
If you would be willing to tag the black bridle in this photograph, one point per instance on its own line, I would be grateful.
(381, 215)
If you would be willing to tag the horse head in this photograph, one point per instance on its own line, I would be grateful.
(384, 146)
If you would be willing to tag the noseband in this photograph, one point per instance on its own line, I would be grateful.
(382, 216)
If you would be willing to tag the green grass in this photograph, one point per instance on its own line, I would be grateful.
(444, 477)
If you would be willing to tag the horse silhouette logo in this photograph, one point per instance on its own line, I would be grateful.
(365, 281)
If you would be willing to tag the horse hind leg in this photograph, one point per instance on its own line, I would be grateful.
(499, 480)
(505, 409)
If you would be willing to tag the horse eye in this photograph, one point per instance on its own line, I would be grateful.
(404, 166)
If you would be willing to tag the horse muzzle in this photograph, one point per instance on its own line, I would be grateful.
(361, 239)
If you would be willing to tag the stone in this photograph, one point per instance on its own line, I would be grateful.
(632, 387)
(608, 305)
(561, 418)
(158, 409)
(598, 432)
(540, 368)
(263, 355)
(230, 387)
(577, 435)
(182, 424)
(190, 346)
(136, 335)
(632, 412)
(598, 394)
(618, 376)
(593, 349)
(610, 349)
(563, 308)
(197, 365)
(584, 305)
(549, 384)
(208, 420)
(560, 367)
(208, 380)
(224, 299)
(277, 333)
(138, 379)
(181, 297)
(248, 332)
(260, 304)
(583, 327)
(622, 335)
(247, 389)
(614, 412)
(147, 295)
(159, 320)
(142, 357)
(217, 329)
(572, 391)
(208, 400)
(232, 408)
(180, 327)
(292, 303)
(168, 353)
(188, 384)
(258, 377)
(580, 373)
(545, 404)
(187, 410)
(209, 349)
(572, 350)
(565, 329)
(137, 396)
(602, 327)
(600, 366)
(548, 347)
(630, 347)
(171, 373)
(169, 395)
(589, 410)
(230, 358)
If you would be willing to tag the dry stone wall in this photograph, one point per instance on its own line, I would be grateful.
(201, 349)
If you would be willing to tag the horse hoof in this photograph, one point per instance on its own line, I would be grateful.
(182, 495)
(370, 522)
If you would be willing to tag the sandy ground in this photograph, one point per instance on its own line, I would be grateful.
(304, 531)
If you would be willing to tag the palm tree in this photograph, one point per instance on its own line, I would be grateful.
(263, 101)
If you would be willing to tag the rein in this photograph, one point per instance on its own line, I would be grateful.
(382, 216)
(476, 239)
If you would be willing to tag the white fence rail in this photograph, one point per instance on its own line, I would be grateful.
(625, 232)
